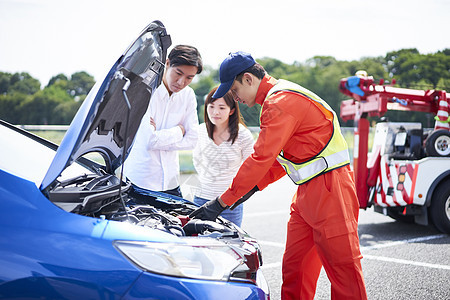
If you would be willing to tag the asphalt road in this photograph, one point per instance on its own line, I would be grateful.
(401, 261)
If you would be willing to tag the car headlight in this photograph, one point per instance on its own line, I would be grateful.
(193, 258)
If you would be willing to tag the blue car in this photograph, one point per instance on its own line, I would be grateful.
(71, 229)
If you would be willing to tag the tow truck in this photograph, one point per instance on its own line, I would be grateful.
(407, 173)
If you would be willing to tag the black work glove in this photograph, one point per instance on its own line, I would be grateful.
(245, 197)
(208, 211)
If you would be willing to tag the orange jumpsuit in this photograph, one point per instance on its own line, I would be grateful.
(322, 229)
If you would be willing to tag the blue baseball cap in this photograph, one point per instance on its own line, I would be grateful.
(233, 65)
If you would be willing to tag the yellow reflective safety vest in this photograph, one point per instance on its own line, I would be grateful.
(333, 156)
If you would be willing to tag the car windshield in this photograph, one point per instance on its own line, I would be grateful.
(24, 157)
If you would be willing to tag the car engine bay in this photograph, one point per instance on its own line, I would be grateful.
(101, 196)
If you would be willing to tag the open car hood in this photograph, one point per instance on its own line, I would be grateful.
(102, 124)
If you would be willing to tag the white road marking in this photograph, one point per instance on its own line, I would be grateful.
(374, 257)
(406, 262)
(408, 241)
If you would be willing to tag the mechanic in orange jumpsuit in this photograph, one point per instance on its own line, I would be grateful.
(300, 136)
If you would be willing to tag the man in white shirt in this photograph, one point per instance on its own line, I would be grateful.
(169, 124)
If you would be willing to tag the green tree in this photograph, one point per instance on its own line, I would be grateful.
(277, 68)
(24, 83)
(10, 106)
(5, 82)
(321, 75)
(64, 112)
(40, 108)
(18, 83)
(80, 83)
(402, 65)
(202, 86)
(59, 79)
(434, 67)
(22, 101)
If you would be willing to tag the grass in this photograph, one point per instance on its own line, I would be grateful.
(54, 136)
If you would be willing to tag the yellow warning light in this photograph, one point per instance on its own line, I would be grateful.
(401, 177)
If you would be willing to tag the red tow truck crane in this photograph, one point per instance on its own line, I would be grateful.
(407, 173)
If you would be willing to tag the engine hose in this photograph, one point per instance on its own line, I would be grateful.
(197, 226)
(176, 227)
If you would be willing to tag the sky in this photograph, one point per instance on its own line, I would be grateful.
(49, 37)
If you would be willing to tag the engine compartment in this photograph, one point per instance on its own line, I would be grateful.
(101, 196)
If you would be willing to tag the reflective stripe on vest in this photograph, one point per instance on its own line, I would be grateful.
(333, 156)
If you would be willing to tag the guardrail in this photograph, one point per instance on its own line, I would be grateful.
(45, 127)
(65, 127)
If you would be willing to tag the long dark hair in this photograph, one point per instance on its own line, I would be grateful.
(234, 120)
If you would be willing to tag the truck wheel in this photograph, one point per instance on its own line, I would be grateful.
(440, 207)
(438, 143)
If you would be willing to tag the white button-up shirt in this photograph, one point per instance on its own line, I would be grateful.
(153, 162)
